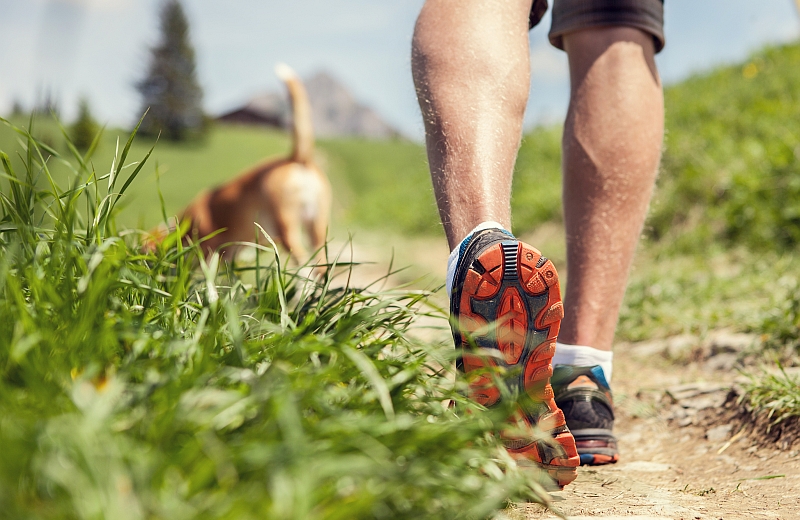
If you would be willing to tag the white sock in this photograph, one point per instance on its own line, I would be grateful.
(584, 356)
(452, 260)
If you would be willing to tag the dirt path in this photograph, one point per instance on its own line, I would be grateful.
(672, 464)
(681, 472)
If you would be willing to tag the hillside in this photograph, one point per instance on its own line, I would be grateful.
(731, 163)
(730, 169)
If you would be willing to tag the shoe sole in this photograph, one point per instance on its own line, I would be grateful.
(596, 446)
(511, 301)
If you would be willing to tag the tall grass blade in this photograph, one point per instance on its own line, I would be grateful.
(125, 151)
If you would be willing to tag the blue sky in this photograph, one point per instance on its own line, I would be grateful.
(99, 48)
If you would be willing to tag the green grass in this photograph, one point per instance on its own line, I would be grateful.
(536, 195)
(672, 294)
(774, 396)
(382, 185)
(731, 168)
(185, 168)
(730, 172)
(160, 385)
(730, 177)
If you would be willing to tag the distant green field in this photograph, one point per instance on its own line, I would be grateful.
(377, 184)
(185, 168)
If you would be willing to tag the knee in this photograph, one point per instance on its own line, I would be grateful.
(615, 50)
(427, 42)
(485, 40)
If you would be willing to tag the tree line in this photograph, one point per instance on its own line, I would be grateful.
(171, 96)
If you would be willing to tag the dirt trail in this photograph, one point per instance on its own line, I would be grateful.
(672, 464)
(680, 472)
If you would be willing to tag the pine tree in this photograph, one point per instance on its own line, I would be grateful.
(17, 109)
(48, 104)
(85, 128)
(170, 90)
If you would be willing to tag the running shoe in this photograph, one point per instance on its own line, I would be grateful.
(585, 397)
(506, 298)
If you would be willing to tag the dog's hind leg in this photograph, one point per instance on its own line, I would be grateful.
(318, 231)
(290, 234)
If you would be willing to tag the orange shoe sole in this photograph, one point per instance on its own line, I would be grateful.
(509, 300)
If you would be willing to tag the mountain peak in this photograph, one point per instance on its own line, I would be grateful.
(335, 111)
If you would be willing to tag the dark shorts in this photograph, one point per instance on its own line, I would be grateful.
(574, 15)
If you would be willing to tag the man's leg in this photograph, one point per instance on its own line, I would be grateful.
(472, 73)
(471, 69)
(612, 147)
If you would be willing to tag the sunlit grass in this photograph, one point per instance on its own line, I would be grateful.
(776, 395)
(164, 385)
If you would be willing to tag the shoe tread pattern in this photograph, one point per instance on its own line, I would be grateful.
(510, 301)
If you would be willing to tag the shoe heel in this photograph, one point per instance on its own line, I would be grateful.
(508, 289)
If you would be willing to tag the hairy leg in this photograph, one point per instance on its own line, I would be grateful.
(612, 148)
(471, 69)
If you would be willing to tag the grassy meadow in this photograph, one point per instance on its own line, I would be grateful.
(163, 385)
(157, 385)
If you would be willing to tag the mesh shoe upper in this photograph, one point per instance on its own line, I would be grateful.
(586, 400)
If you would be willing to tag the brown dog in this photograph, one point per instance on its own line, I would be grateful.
(285, 196)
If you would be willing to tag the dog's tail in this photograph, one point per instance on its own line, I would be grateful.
(302, 129)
